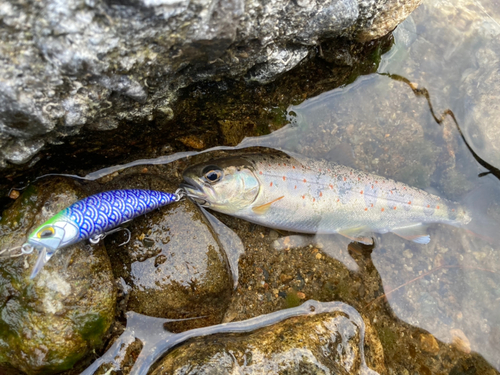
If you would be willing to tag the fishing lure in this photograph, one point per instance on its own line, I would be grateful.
(93, 218)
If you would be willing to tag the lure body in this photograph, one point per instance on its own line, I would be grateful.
(91, 217)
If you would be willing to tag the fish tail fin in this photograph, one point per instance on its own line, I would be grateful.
(477, 205)
(43, 257)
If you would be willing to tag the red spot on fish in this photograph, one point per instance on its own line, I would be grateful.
(293, 166)
(361, 192)
(404, 187)
(371, 205)
(279, 165)
(329, 170)
(372, 186)
(437, 207)
(382, 210)
(303, 197)
(428, 205)
(359, 179)
(284, 178)
(345, 179)
(376, 182)
(338, 199)
(366, 209)
(305, 180)
(391, 191)
(331, 186)
(394, 207)
(350, 173)
(284, 164)
(409, 202)
(453, 210)
(314, 199)
(260, 172)
(271, 184)
(295, 186)
(320, 194)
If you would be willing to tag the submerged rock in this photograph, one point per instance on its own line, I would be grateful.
(68, 65)
(323, 344)
(174, 265)
(47, 324)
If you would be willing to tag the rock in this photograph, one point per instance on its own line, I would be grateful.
(174, 265)
(50, 322)
(320, 344)
(429, 344)
(97, 65)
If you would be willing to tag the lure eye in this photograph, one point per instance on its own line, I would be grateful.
(212, 174)
(46, 232)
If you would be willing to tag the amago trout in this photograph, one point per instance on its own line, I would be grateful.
(310, 196)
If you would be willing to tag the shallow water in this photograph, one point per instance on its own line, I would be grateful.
(382, 124)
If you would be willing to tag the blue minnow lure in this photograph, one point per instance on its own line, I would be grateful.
(92, 218)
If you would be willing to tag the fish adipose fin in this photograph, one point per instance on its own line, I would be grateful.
(357, 234)
(416, 233)
(262, 209)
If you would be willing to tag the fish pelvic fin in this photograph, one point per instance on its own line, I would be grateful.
(357, 234)
(262, 209)
(43, 257)
(416, 233)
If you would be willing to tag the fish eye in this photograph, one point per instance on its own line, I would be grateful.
(212, 174)
(46, 232)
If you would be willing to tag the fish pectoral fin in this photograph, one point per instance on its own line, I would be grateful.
(415, 233)
(357, 234)
(263, 208)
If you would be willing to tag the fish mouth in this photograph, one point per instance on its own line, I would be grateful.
(194, 191)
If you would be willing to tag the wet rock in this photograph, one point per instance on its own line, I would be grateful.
(47, 324)
(94, 64)
(174, 264)
(322, 344)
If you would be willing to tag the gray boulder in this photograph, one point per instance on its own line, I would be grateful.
(65, 65)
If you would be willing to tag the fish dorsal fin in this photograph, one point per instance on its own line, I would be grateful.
(416, 233)
(263, 208)
(358, 234)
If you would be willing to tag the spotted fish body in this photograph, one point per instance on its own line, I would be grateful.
(91, 217)
(312, 196)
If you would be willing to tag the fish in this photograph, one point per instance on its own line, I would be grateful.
(92, 218)
(303, 195)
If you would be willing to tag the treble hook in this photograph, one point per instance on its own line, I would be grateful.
(96, 239)
(25, 249)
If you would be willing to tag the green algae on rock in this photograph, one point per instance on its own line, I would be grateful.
(51, 322)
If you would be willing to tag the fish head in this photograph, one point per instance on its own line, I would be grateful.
(226, 185)
(54, 233)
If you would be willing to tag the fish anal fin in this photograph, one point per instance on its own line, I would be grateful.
(415, 233)
(358, 234)
(263, 208)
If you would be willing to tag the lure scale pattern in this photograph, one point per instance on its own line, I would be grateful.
(101, 212)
